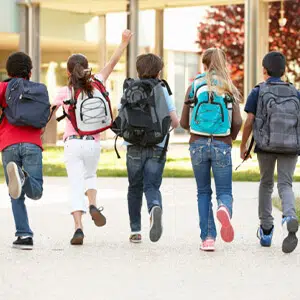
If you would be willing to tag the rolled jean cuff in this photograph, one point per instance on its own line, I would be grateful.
(79, 208)
(90, 183)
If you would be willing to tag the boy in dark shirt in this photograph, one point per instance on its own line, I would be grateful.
(274, 64)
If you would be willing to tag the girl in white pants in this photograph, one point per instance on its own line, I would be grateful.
(82, 153)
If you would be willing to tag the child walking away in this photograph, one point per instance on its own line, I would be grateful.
(87, 110)
(146, 114)
(215, 122)
(273, 110)
(25, 111)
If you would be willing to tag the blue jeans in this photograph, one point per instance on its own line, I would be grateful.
(207, 154)
(145, 170)
(29, 158)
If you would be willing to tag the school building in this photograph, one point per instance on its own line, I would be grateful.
(51, 30)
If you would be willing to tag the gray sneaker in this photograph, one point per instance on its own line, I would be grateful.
(155, 224)
(16, 179)
(290, 243)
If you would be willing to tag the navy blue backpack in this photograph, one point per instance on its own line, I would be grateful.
(27, 103)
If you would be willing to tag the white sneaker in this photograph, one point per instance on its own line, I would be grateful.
(155, 224)
(16, 179)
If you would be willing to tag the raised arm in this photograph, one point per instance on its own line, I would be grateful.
(106, 71)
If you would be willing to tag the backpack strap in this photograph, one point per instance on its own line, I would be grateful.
(2, 114)
(165, 149)
(165, 83)
(98, 84)
(116, 150)
(127, 83)
(70, 101)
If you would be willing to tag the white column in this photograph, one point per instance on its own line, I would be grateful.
(30, 35)
(102, 41)
(159, 34)
(256, 41)
(133, 49)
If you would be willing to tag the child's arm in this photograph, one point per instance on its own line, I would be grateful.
(106, 71)
(237, 120)
(185, 114)
(246, 134)
(174, 119)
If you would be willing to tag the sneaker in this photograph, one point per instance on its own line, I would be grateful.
(289, 244)
(265, 239)
(208, 245)
(16, 179)
(77, 238)
(135, 238)
(97, 216)
(155, 224)
(227, 232)
(23, 242)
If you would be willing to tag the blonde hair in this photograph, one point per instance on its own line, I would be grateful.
(215, 61)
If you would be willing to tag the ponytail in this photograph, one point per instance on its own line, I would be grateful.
(80, 74)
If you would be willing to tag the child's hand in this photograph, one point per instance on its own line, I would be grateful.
(126, 36)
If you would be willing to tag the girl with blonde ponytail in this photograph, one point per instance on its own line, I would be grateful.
(209, 150)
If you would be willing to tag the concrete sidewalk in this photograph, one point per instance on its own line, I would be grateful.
(108, 267)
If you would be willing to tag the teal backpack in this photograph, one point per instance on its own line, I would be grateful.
(211, 116)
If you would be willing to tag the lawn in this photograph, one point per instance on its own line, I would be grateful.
(178, 164)
(277, 203)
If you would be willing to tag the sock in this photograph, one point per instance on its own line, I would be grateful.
(267, 232)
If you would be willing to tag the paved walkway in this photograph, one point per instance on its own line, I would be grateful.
(108, 267)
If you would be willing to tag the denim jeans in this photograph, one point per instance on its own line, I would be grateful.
(145, 170)
(29, 158)
(207, 154)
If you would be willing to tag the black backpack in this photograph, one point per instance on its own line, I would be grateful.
(27, 103)
(144, 117)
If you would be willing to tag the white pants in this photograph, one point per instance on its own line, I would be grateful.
(81, 158)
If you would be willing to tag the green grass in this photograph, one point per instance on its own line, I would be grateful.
(277, 203)
(110, 166)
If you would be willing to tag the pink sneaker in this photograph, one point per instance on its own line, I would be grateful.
(227, 232)
(208, 245)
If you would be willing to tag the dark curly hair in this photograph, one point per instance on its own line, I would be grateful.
(19, 64)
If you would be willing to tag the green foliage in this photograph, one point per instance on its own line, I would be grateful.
(224, 27)
(277, 203)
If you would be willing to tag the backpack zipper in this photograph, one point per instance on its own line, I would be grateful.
(214, 103)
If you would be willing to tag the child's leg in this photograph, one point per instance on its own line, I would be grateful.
(201, 167)
(75, 170)
(153, 172)
(286, 165)
(267, 163)
(12, 154)
(32, 161)
(135, 161)
(91, 157)
(222, 171)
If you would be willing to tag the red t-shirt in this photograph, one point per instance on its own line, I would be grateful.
(10, 134)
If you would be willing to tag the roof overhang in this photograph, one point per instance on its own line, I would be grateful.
(100, 7)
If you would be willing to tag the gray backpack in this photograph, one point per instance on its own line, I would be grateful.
(144, 117)
(277, 121)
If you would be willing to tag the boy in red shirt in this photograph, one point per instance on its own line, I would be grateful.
(21, 148)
